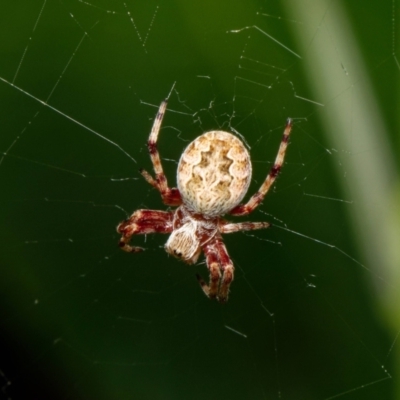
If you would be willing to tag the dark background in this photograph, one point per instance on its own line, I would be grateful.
(310, 316)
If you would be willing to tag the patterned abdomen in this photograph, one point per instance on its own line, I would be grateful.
(214, 173)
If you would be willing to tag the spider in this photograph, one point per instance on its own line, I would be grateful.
(214, 173)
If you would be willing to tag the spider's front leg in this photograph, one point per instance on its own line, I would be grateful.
(232, 227)
(143, 222)
(170, 196)
(221, 270)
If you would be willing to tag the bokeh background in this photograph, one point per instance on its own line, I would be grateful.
(314, 308)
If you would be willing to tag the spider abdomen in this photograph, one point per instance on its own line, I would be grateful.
(214, 173)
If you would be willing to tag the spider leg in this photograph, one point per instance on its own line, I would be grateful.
(143, 222)
(227, 272)
(258, 197)
(170, 196)
(228, 227)
(221, 270)
(211, 290)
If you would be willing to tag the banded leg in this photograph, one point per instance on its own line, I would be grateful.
(227, 272)
(228, 227)
(257, 198)
(170, 196)
(213, 265)
(221, 270)
(143, 222)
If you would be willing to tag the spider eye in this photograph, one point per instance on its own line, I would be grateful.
(184, 244)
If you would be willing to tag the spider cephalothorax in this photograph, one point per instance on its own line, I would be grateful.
(214, 173)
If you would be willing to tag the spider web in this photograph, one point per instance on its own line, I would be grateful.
(313, 311)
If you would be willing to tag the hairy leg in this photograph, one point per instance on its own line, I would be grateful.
(258, 197)
(221, 270)
(170, 196)
(211, 290)
(228, 227)
(143, 222)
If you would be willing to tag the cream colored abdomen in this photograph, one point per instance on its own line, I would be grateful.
(214, 173)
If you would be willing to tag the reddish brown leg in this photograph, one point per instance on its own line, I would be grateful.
(221, 270)
(211, 290)
(227, 269)
(257, 198)
(170, 196)
(143, 222)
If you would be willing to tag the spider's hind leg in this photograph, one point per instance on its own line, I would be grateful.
(170, 196)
